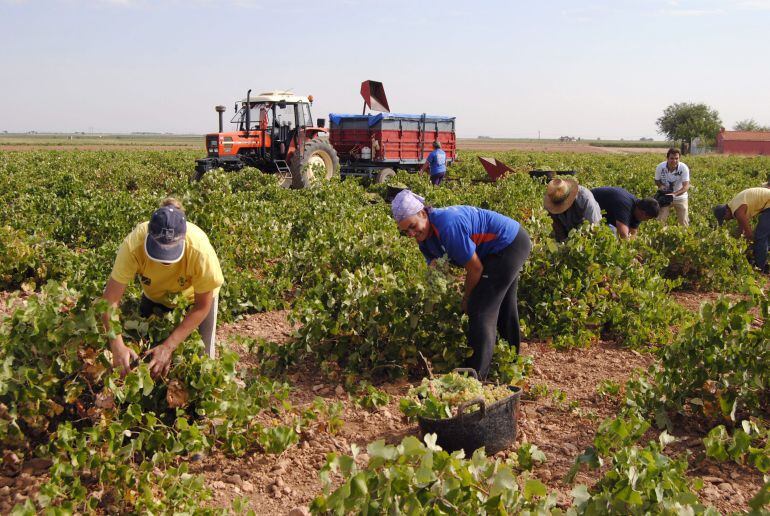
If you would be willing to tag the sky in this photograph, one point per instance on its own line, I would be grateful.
(504, 68)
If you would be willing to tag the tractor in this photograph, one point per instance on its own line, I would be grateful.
(275, 133)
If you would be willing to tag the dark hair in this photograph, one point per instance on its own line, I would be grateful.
(649, 206)
(172, 201)
(673, 150)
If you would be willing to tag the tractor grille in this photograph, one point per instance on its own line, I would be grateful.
(212, 146)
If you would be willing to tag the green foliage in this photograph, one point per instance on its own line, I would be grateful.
(366, 302)
(377, 317)
(636, 480)
(114, 441)
(421, 478)
(371, 397)
(642, 481)
(685, 121)
(750, 124)
(608, 389)
(714, 264)
(717, 368)
(595, 286)
(750, 443)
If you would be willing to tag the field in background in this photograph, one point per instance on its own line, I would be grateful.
(96, 141)
(174, 141)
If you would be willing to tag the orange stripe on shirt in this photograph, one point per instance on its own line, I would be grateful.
(480, 238)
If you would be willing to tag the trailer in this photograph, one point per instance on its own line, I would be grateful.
(377, 146)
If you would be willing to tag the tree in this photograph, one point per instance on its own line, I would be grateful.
(685, 121)
(750, 125)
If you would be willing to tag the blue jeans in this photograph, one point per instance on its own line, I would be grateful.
(761, 238)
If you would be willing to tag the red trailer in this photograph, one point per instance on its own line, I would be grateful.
(377, 146)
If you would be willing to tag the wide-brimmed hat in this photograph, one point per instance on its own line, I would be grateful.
(559, 195)
(166, 235)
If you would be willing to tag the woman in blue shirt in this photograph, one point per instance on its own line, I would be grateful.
(491, 247)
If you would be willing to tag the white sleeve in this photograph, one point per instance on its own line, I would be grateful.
(685, 173)
(657, 173)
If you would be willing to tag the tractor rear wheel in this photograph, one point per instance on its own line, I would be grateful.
(384, 175)
(319, 161)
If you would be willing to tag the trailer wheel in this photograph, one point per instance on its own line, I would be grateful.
(319, 161)
(384, 174)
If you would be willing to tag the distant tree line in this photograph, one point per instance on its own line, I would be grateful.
(750, 125)
(685, 121)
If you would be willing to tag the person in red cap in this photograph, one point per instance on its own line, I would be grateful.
(171, 256)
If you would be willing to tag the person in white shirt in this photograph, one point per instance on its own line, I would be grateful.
(672, 177)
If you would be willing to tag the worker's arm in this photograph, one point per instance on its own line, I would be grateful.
(622, 230)
(122, 355)
(425, 166)
(742, 217)
(659, 184)
(685, 187)
(473, 270)
(559, 232)
(161, 355)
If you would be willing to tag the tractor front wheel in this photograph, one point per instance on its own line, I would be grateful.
(319, 161)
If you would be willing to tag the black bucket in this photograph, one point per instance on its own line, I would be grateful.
(392, 191)
(492, 426)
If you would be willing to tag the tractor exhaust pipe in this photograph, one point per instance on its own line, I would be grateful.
(220, 110)
(248, 112)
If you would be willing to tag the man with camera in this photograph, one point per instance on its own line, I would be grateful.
(672, 178)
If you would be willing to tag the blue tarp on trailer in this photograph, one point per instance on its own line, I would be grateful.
(336, 118)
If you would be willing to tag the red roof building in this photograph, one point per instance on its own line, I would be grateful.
(744, 142)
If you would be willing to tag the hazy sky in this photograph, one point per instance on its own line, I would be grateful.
(503, 68)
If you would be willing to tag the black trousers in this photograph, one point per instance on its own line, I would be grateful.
(148, 307)
(492, 305)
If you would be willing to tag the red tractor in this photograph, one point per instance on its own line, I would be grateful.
(275, 133)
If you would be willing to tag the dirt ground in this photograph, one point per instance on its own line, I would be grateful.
(88, 147)
(560, 420)
(561, 423)
(471, 144)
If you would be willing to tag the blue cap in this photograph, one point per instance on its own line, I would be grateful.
(166, 235)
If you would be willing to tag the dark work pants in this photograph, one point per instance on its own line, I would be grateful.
(761, 238)
(437, 178)
(207, 328)
(492, 306)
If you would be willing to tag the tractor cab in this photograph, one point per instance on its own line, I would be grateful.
(279, 113)
(273, 131)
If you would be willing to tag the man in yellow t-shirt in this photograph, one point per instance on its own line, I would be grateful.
(750, 203)
(171, 256)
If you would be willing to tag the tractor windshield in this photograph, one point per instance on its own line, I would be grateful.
(268, 114)
(259, 111)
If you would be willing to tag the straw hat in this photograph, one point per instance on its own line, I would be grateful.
(559, 195)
